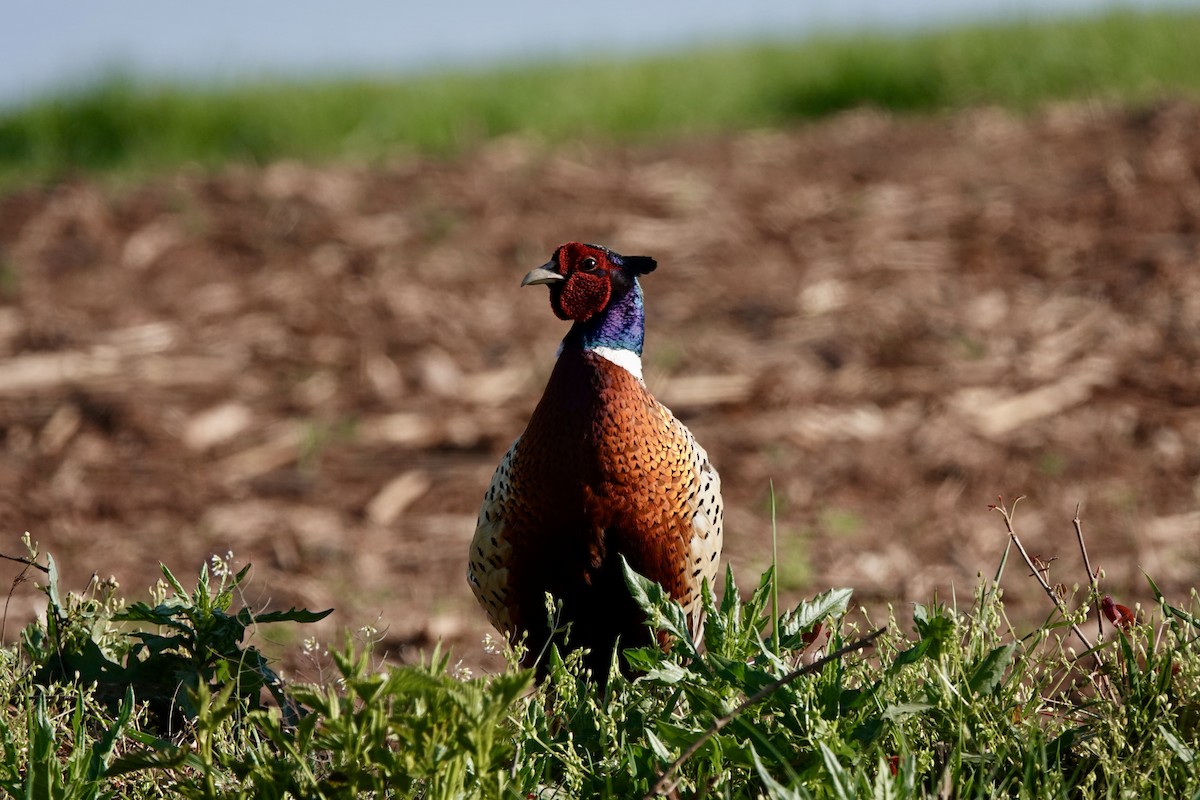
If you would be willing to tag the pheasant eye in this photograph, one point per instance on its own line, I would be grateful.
(589, 264)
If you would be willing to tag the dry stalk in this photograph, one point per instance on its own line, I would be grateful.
(29, 562)
(1093, 581)
(1007, 513)
(17, 581)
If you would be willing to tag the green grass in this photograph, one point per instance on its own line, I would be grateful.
(166, 699)
(122, 126)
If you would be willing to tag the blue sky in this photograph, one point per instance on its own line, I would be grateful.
(51, 44)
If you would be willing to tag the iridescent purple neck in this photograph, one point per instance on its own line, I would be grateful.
(621, 326)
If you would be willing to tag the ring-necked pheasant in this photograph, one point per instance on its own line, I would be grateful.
(603, 470)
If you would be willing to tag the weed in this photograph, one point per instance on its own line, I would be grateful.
(797, 703)
(194, 643)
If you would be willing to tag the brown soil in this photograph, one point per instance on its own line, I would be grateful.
(894, 320)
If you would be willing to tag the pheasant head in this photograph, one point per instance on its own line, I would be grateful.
(597, 289)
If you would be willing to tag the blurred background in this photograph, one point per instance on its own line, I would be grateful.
(61, 43)
(258, 285)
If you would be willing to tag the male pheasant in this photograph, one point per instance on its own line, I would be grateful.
(603, 470)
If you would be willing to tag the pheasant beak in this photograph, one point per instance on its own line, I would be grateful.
(542, 275)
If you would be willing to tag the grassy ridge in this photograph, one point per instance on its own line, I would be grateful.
(118, 125)
(165, 699)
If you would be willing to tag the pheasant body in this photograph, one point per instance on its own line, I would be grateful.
(603, 470)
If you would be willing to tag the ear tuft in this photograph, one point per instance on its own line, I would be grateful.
(639, 264)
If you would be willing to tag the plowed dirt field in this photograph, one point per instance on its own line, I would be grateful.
(892, 319)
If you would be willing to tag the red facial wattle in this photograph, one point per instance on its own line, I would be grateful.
(587, 288)
(582, 296)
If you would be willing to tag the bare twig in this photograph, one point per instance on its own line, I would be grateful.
(29, 562)
(21, 578)
(1092, 581)
(1007, 513)
(995, 587)
(665, 784)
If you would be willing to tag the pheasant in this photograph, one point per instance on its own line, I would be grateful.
(602, 471)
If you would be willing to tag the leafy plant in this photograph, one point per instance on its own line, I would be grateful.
(194, 642)
(798, 703)
(61, 757)
(408, 731)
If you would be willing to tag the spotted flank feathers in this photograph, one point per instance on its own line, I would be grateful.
(487, 570)
(602, 472)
